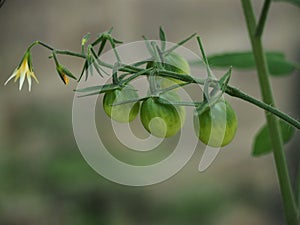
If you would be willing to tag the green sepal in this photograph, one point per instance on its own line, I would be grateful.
(163, 38)
(179, 44)
(29, 60)
(68, 73)
(101, 47)
(148, 46)
(98, 40)
(117, 41)
(26, 55)
(223, 82)
(96, 90)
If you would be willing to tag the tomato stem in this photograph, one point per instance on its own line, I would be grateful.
(263, 18)
(291, 212)
(234, 92)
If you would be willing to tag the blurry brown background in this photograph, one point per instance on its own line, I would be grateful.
(43, 177)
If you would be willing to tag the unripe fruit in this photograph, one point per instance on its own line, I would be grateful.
(160, 119)
(121, 113)
(217, 125)
(174, 63)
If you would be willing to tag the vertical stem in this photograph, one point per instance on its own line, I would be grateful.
(289, 204)
(263, 18)
(298, 188)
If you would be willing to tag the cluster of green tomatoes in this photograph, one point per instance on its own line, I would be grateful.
(162, 119)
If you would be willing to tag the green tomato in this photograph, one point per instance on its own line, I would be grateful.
(161, 119)
(174, 63)
(121, 113)
(218, 124)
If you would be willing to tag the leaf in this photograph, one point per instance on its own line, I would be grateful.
(262, 143)
(277, 63)
(295, 2)
(281, 68)
(240, 60)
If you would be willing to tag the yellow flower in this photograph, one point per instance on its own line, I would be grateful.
(24, 70)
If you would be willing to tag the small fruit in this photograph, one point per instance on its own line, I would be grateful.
(217, 125)
(162, 119)
(174, 63)
(121, 113)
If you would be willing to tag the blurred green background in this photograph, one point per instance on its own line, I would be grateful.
(43, 177)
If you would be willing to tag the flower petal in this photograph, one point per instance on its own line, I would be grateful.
(66, 80)
(22, 78)
(11, 77)
(34, 77)
(29, 81)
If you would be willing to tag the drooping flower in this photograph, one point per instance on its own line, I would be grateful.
(64, 73)
(24, 70)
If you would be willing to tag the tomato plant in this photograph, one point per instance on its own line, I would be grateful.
(162, 111)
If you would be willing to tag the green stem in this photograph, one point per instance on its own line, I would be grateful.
(152, 82)
(115, 73)
(234, 92)
(263, 18)
(136, 75)
(275, 135)
(55, 58)
(298, 187)
(62, 52)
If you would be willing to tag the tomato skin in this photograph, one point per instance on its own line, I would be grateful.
(216, 123)
(174, 63)
(171, 117)
(121, 113)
